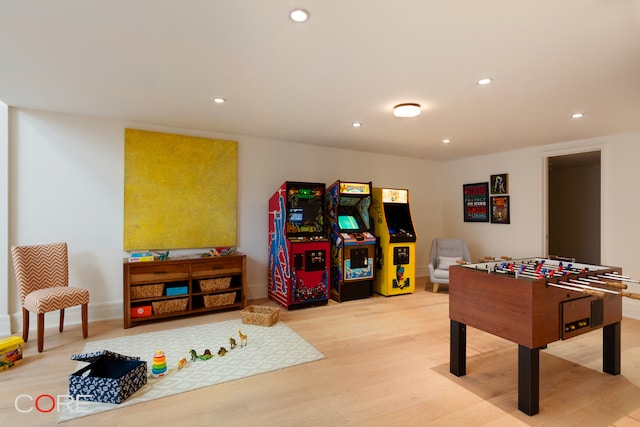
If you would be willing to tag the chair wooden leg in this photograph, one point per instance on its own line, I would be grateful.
(25, 324)
(40, 332)
(61, 320)
(436, 286)
(85, 320)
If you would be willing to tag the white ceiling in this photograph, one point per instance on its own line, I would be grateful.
(162, 61)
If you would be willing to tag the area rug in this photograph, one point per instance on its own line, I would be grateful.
(267, 349)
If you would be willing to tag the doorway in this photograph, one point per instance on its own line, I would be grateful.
(573, 206)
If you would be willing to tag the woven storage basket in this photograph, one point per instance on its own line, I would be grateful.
(216, 284)
(170, 305)
(147, 291)
(219, 299)
(260, 315)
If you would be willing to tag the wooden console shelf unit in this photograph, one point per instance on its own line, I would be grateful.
(177, 290)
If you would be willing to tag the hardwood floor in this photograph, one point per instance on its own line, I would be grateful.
(387, 363)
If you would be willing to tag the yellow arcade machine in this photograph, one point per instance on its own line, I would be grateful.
(393, 228)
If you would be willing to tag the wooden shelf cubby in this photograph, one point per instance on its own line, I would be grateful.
(182, 276)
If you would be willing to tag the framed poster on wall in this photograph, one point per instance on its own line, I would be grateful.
(500, 210)
(499, 184)
(476, 202)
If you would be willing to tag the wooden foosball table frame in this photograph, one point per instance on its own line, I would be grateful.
(533, 310)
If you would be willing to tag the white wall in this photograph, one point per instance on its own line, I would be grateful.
(5, 320)
(66, 181)
(525, 236)
(621, 204)
(265, 164)
(67, 184)
(520, 238)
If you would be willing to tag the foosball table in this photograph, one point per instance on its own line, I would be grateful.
(533, 302)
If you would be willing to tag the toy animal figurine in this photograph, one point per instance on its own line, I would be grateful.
(182, 363)
(163, 256)
(214, 252)
(232, 343)
(222, 351)
(195, 356)
(243, 338)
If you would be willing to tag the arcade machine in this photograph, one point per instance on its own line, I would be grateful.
(352, 244)
(393, 228)
(298, 268)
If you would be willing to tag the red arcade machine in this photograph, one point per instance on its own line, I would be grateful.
(298, 249)
(353, 246)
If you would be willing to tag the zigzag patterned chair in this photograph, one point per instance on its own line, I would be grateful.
(42, 274)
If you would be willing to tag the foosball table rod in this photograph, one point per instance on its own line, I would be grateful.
(618, 277)
(605, 283)
(578, 286)
(570, 287)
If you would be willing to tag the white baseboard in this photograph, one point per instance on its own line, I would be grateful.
(72, 316)
(260, 291)
(257, 291)
(630, 308)
(422, 271)
(12, 323)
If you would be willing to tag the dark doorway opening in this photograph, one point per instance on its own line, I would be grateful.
(574, 206)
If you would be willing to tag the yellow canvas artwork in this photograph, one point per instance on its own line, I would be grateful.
(179, 191)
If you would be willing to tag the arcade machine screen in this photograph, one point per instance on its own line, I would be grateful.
(399, 222)
(353, 214)
(305, 212)
(348, 223)
(296, 217)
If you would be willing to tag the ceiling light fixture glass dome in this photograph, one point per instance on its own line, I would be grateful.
(406, 110)
(299, 15)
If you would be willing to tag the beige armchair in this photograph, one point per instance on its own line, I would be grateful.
(444, 253)
(42, 275)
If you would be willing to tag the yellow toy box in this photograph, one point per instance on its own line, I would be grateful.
(10, 352)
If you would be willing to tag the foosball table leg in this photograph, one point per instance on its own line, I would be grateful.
(611, 349)
(458, 349)
(528, 380)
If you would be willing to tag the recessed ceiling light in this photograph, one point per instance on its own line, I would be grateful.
(446, 141)
(406, 110)
(299, 15)
(484, 81)
(218, 100)
(577, 115)
(356, 124)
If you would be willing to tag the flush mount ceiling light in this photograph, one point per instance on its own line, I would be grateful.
(299, 15)
(446, 141)
(406, 110)
(484, 81)
(577, 115)
(218, 100)
(356, 124)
